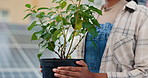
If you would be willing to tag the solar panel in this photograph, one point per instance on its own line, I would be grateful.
(17, 53)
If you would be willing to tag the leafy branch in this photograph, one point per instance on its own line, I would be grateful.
(55, 24)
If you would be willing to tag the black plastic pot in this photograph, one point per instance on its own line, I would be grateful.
(49, 64)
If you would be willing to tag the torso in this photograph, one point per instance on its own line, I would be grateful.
(93, 54)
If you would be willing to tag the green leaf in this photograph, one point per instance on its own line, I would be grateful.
(53, 17)
(46, 36)
(68, 8)
(90, 28)
(32, 25)
(59, 35)
(35, 14)
(51, 13)
(70, 15)
(45, 27)
(34, 11)
(57, 7)
(40, 15)
(34, 7)
(39, 55)
(65, 22)
(51, 46)
(42, 8)
(28, 5)
(73, 8)
(92, 31)
(57, 1)
(72, 21)
(42, 48)
(70, 36)
(59, 25)
(83, 31)
(52, 23)
(58, 18)
(91, 0)
(95, 22)
(78, 24)
(55, 34)
(37, 35)
(27, 15)
(53, 30)
(96, 10)
(34, 37)
(40, 43)
(63, 4)
(85, 14)
(27, 10)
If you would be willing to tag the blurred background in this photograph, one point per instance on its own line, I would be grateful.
(17, 52)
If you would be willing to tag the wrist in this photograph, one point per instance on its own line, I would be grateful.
(98, 75)
(92, 75)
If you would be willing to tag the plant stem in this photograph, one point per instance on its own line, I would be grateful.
(60, 48)
(74, 30)
(40, 21)
(70, 45)
(64, 35)
(76, 45)
(67, 31)
(64, 46)
(57, 54)
(72, 1)
(79, 3)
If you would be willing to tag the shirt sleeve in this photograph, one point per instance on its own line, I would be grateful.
(140, 68)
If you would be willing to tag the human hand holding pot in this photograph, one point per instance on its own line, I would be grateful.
(77, 72)
(73, 72)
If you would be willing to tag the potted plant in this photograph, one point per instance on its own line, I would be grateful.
(55, 23)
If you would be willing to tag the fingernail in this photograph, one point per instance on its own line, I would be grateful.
(54, 70)
(57, 75)
(40, 66)
(59, 67)
(77, 61)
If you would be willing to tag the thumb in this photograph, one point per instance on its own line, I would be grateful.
(82, 63)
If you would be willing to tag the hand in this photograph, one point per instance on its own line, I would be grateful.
(73, 72)
(41, 68)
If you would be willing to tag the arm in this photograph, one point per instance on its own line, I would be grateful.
(140, 68)
(99, 75)
(77, 72)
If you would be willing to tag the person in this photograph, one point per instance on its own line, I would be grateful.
(122, 44)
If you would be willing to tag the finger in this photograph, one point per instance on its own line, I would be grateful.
(82, 63)
(62, 76)
(41, 69)
(40, 66)
(71, 68)
(68, 73)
